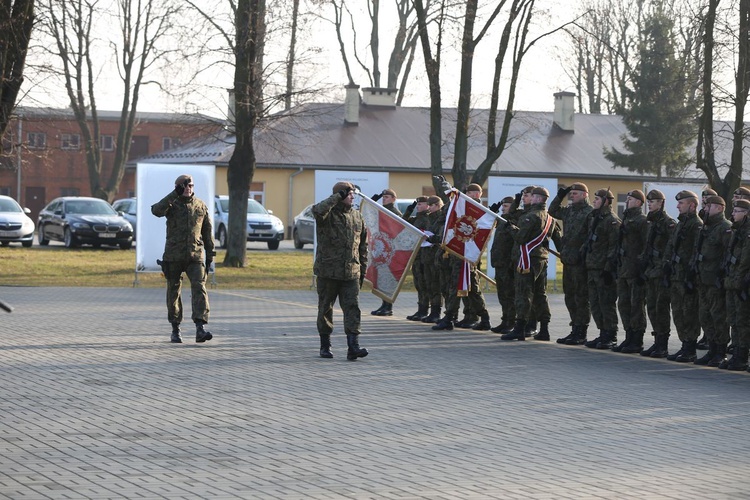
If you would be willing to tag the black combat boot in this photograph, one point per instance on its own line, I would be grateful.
(581, 332)
(636, 343)
(650, 350)
(661, 346)
(201, 334)
(379, 310)
(739, 359)
(469, 321)
(702, 343)
(484, 323)
(673, 356)
(518, 332)
(446, 323)
(325, 346)
(688, 352)
(719, 356)
(730, 349)
(354, 352)
(176, 338)
(625, 343)
(434, 315)
(505, 326)
(385, 310)
(419, 315)
(703, 360)
(608, 339)
(570, 336)
(531, 329)
(543, 333)
(591, 344)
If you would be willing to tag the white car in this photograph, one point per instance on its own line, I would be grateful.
(262, 225)
(15, 224)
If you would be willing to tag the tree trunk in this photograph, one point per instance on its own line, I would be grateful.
(16, 23)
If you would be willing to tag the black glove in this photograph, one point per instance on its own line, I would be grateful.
(412, 206)
(361, 278)
(517, 201)
(345, 192)
(563, 192)
(607, 277)
(689, 287)
(667, 269)
(376, 197)
(495, 207)
(209, 261)
(180, 188)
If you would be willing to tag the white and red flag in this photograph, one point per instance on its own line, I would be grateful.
(468, 226)
(393, 244)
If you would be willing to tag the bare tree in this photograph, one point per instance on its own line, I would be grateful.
(16, 22)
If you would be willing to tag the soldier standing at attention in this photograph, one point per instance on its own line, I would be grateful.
(660, 228)
(505, 268)
(575, 281)
(682, 292)
(631, 287)
(389, 200)
(703, 341)
(428, 256)
(420, 221)
(708, 262)
(601, 265)
(340, 265)
(741, 193)
(189, 233)
(737, 283)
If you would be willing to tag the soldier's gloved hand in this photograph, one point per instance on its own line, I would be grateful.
(563, 192)
(209, 261)
(689, 287)
(607, 277)
(376, 197)
(412, 206)
(180, 188)
(445, 186)
(345, 192)
(517, 200)
(667, 269)
(362, 273)
(495, 207)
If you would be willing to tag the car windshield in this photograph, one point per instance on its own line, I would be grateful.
(9, 206)
(253, 207)
(89, 207)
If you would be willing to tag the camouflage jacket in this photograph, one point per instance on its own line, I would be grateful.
(600, 249)
(189, 227)
(660, 228)
(530, 226)
(393, 208)
(681, 245)
(737, 256)
(501, 250)
(420, 220)
(342, 240)
(630, 243)
(709, 258)
(575, 232)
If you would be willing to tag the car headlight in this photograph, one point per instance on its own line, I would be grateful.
(277, 224)
(80, 225)
(127, 227)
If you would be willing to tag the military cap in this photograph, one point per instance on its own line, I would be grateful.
(473, 187)
(605, 193)
(637, 194)
(742, 191)
(709, 192)
(507, 199)
(181, 179)
(434, 200)
(540, 191)
(743, 204)
(685, 194)
(388, 192)
(528, 189)
(422, 199)
(342, 185)
(579, 186)
(655, 194)
(716, 200)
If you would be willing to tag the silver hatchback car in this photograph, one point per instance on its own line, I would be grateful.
(15, 224)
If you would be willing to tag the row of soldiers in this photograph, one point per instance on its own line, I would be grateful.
(695, 269)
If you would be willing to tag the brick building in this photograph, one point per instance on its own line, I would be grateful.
(52, 155)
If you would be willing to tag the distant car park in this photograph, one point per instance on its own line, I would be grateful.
(303, 230)
(127, 207)
(262, 225)
(79, 220)
(15, 224)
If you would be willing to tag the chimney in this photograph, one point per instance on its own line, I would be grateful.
(351, 105)
(565, 111)
(231, 103)
(379, 97)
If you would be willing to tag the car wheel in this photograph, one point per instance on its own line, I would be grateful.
(70, 240)
(5, 243)
(27, 244)
(222, 237)
(126, 246)
(42, 237)
(273, 245)
(297, 243)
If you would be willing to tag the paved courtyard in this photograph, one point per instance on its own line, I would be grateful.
(96, 403)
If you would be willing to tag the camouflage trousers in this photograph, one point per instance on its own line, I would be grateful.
(684, 311)
(347, 292)
(603, 300)
(196, 273)
(657, 305)
(474, 304)
(713, 313)
(576, 290)
(431, 277)
(449, 271)
(738, 317)
(531, 293)
(631, 302)
(506, 292)
(420, 283)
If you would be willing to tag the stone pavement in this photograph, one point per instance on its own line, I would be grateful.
(96, 403)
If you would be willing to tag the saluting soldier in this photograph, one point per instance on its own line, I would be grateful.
(575, 280)
(419, 220)
(737, 284)
(389, 203)
(660, 228)
(505, 268)
(631, 286)
(676, 271)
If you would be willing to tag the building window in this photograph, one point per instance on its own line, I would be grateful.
(37, 140)
(257, 192)
(4, 191)
(107, 142)
(168, 143)
(70, 141)
(69, 191)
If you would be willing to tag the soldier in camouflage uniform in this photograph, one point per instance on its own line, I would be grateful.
(703, 341)
(741, 193)
(448, 267)
(340, 265)
(505, 268)
(189, 235)
(575, 280)
(600, 252)
(428, 256)
(532, 238)
(420, 221)
(660, 228)
(517, 211)
(676, 271)
(389, 200)
(631, 287)
(708, 264)
(737, 283)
